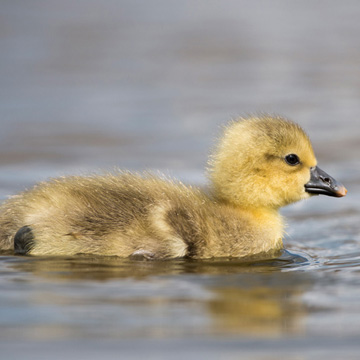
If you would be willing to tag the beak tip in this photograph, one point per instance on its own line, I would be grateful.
(342, 191)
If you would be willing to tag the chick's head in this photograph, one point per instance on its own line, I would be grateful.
(262, 162)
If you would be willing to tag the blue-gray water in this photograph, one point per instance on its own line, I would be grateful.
(90, 84)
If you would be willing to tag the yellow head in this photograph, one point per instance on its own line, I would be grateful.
(265, 162)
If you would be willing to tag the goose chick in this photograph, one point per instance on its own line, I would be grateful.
(260, 164)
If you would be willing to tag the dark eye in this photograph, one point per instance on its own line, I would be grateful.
(292, 159)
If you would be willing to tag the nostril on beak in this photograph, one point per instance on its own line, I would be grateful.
(326, 180)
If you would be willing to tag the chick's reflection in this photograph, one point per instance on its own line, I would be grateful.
(174, 297)
(264, 311)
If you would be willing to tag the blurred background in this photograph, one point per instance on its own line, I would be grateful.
(89, 85)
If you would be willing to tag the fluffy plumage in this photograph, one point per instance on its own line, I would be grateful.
(127, 214)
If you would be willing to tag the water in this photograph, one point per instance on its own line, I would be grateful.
(89, 85)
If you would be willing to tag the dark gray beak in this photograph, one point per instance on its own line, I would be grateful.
(323, 184)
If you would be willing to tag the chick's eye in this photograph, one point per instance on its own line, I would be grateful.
(292, 159)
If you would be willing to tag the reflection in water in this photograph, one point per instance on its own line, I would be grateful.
(155, 298)
(92, 267)
(258, 311)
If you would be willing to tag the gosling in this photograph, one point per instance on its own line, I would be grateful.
(260, 165)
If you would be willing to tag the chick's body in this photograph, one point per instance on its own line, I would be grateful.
(128, 214)
(124, 214)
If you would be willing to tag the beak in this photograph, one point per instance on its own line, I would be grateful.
(323, 184)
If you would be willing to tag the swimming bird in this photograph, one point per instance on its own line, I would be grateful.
(260, 164)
